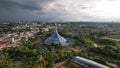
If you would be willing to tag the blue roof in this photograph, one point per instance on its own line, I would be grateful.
(56, 39)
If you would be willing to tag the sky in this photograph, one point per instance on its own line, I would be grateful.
(60, 10)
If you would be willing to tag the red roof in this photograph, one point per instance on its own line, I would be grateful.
(4, 44)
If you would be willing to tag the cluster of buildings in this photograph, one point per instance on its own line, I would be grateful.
(14, 39)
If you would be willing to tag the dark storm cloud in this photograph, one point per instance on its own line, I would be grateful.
(21, 9)
(7, 4)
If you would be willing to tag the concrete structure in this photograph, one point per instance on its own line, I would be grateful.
(88, 63)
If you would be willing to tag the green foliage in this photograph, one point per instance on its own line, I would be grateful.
(108, 50)
(108, 42)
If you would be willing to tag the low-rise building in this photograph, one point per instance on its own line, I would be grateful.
(45, 29)
(4, 44)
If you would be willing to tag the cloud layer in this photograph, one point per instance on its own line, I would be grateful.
(60, 10)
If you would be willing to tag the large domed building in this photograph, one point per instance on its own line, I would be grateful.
(56, 39)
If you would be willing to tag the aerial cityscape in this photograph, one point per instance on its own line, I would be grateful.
(59, 34)
(61, 45)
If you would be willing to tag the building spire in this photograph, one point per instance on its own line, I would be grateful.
(56, 27)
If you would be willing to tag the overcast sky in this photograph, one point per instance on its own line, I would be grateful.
(60, 10)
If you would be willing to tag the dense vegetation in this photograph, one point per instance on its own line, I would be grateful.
(32, 54)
